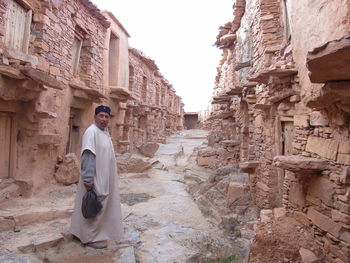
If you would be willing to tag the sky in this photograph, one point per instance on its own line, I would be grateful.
(179, 36)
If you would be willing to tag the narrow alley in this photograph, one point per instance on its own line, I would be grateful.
(260, 173)
(162, 222)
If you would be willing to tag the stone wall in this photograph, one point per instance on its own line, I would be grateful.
(276, 83)
(59, 60)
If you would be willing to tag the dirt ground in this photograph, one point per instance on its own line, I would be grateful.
(279, 241)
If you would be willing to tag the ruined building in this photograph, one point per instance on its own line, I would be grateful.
(59, 59)
(281, 110)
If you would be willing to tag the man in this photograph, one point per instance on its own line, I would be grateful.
(98, 173)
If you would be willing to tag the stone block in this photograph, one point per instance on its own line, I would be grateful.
(43, 65)
(343, 159)
(55, 71)
(40, 18)
(294, 98)
(68, 171)
(42, 242)
(344, 147)
(339, 253)
(301, 218)
(307, 256)
(342, 207)
(327, 148)
(324, 222)
(321, 188)
(148, 149)
(345, 176)
(279, 212)
(301, 120)
(296, 194)
(129, 164)
(335, 177)
(299, 164)
(340, 217)
(230, 221)
(210, 161)
(263, 187)
(345, 236)
(235, 190)
(318, 119)
(126, 255)
(22, 56)
(266, 215)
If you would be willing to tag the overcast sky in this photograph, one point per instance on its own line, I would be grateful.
(179, 36)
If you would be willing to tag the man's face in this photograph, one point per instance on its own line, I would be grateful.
(102, 120)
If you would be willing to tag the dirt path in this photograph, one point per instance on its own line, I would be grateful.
(162, 222)
(167, 226)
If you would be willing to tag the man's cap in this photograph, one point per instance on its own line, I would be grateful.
(103, 108)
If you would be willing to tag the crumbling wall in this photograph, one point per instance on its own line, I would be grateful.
(292, 110)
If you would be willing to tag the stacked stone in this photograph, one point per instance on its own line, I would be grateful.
(284, 114)
(47, 106)
(2, 21)
(55, 46)
(150, 114)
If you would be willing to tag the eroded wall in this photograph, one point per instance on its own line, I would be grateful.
(290, 130)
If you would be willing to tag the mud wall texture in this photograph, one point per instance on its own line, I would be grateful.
(281, 101)
(59, 60)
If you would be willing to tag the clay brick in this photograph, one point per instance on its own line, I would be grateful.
(324, 222)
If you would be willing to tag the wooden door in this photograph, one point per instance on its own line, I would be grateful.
(5, 144)
(17, 24)
(288, 135)
(285, 135)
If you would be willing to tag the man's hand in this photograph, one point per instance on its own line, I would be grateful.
(89, 187)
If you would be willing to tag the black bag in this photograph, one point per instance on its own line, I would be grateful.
(91, 205)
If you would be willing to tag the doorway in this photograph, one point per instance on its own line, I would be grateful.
(74, 136)
(6, 129)
(285, 146)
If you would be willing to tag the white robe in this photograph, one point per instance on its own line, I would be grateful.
(107, 225)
